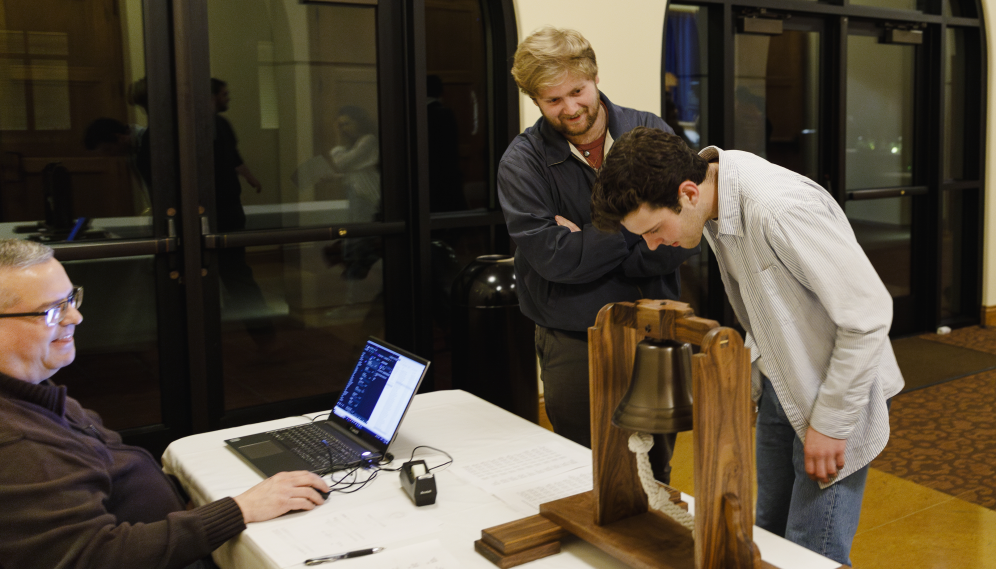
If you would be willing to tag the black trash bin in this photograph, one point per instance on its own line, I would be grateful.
(494, 356)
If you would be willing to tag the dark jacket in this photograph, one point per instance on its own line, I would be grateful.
(73, 495)
(565, 278)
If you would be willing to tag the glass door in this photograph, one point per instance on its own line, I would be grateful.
(336, 179)
(777, 98)
(88, 167)
(881, 181)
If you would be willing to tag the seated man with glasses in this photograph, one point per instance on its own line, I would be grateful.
(71, 493)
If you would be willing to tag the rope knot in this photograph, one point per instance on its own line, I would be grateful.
(640, 443)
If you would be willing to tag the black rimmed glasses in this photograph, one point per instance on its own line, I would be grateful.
(55, 314)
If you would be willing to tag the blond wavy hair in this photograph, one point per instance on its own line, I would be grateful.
(548, 56)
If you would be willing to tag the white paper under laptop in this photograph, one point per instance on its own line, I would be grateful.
(361, 427)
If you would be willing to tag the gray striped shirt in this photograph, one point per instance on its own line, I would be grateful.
(816, 312)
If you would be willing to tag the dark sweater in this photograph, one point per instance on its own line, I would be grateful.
(73, 495)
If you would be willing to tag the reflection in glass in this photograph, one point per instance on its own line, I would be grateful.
(116, 371)
(882, 227)
(308, 329)
(686, 65)
(452, 251)
(62, 106)
(303, 106)
(879, 114)
(954, 106)
(777, 99)
(952, 253)
(304, 151)
(458, 102)
(959, 9)
(917, 5)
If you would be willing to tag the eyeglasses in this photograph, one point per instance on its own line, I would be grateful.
(55, 314)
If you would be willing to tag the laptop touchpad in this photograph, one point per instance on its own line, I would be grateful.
(259, 450)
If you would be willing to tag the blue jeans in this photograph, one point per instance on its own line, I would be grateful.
(791, 505)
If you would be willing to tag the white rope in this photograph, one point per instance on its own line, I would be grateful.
(659, 498)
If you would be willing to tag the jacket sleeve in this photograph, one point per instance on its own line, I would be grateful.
(53, 515)
(642, 262)
(818, 247)
(556, 253)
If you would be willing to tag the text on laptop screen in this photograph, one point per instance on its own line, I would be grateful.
(379, 390)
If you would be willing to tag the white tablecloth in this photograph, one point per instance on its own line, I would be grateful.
(482, 488)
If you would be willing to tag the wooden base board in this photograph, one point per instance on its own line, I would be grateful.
(645, 541)
(520, 535)
(989, 316)
(515, 559)
(520, 541)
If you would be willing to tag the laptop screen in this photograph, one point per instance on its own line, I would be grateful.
(378, 393)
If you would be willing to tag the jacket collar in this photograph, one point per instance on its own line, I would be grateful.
(45, 394)
(558, 149)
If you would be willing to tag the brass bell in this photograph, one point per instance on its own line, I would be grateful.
(659, 399)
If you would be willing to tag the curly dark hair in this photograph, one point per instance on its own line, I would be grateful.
(645, 166)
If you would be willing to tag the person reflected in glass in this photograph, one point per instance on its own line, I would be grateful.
(245, 297)
(356, 161)
(445, 194)
(445, 177)
(138, 95)
(110, 137)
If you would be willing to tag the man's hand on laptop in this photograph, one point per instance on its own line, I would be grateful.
(281, 493)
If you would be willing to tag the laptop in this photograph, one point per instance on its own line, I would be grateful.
(361, 426)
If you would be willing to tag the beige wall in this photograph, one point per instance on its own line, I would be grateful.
(627, 40)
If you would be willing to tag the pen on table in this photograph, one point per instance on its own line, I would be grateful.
(347, 555)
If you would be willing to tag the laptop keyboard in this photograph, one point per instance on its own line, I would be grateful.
(306, 442)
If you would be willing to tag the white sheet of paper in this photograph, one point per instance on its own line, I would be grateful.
(428, 555)
(527, 498)
(529, 465)
(290, 541)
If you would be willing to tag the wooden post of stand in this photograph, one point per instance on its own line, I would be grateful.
(724, 457)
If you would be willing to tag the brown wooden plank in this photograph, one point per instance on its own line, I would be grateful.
(724, 458)
(644, 541)
(611, 350)
(523, 534)
(669, 319)
(515, 559)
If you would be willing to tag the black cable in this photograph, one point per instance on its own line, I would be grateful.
(331, 460)
(348, 487)
(412, 457)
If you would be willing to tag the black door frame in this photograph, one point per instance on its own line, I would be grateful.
(922, 309)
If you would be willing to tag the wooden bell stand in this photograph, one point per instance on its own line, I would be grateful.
(615, 515)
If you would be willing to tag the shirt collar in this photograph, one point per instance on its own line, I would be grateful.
(559, 149)
(727, 192)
